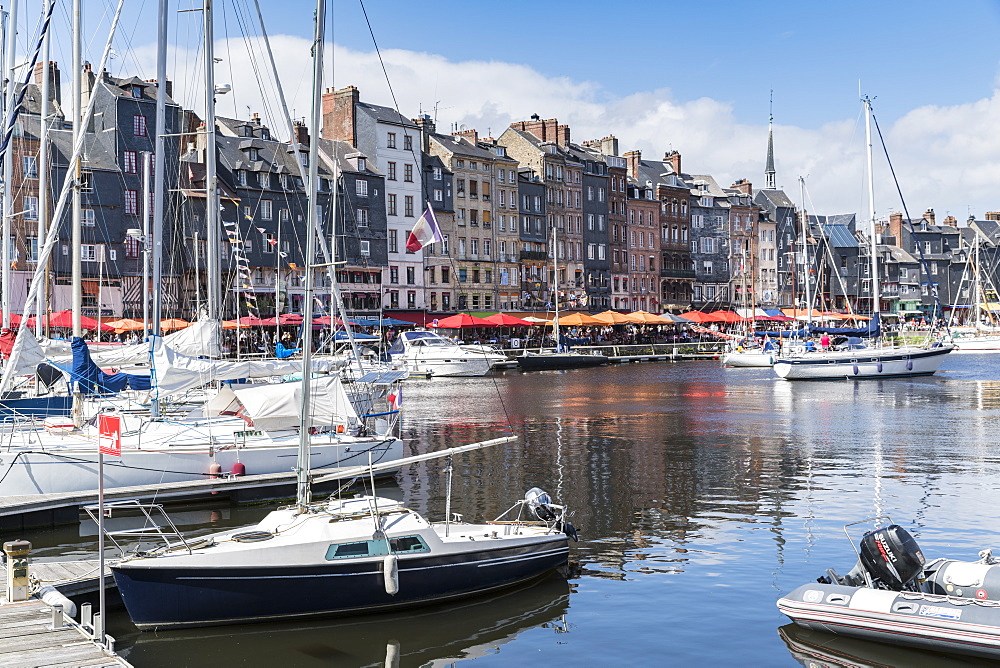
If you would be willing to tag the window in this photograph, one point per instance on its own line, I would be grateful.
(394, 275)
(438, 195)
(264, 179)
(87, 218)
(391, 204)
(407, 142)
(86, 181)
(31, 208)
(393, 240)
(32, 248)
(361, 188)
(365, 248)
(283, 215)
(391, 176)
(474, 247)
(393, 303)
(30, 167)
(411, 275)
(265, 209)
(390, 140)
(408, 206)
(437, 173)
(88, 253)
(270, 242)
(408, 173)
(362, 217)
(139, 125)
(131, 202)
(241, 177)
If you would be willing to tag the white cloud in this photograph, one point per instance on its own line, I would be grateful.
(946, 157)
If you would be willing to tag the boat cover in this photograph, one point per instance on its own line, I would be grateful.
(92, 380)
(176, 372)
(277, 406)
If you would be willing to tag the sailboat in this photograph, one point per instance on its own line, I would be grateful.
(561, 357)
(980, 337)
(344, 556)
(856, 360)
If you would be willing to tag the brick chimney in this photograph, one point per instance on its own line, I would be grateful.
(545, 130)
(607, 146)
(425, 123)
(562, 135)
(951, 221)
(674, 158)
(896, 227)
(743, 186)
(338, 114)
(991, 215)
(929, 216)
(170, 86)
(54, 84)
(633, 158)
(301, 133)
(471, 134)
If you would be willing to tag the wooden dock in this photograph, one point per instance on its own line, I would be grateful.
(18, 513)
(71, 578)
(28, 640)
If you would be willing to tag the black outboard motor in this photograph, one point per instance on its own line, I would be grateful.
(541, 504)
(891, 557)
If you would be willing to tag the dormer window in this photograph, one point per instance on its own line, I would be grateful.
(265, 135)
(246, 131)
(362, 164)
(136, 91)
(241, 177)
(253, 154)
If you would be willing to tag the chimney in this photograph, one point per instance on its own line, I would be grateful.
(427, 128)
(674, 158)
(744, 187)
(929, 216)
(255, 119)
(301, 133)
(545, 130)
(633, 158)
(896, 227)
(990, 215)
(951, 221)
(562, 135)
(338, 114)
(54, 88)
(170, 86)
(471, 134)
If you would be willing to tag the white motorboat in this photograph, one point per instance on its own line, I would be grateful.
(345, 556)
(754, 357)
(426, 353)
(862, 362)
(894, 595)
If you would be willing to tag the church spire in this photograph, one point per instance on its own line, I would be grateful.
(769, 168)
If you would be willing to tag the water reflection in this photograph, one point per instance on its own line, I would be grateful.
(428, 636)
(816, 649)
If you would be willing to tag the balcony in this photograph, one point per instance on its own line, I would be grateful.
(538, 256)
(667, 272)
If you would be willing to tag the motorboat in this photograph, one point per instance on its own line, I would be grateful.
(345, 556)
(893, 594)
(754, 357)
(426, 353)
(819, 649)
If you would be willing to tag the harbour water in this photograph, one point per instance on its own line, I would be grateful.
(701, 495)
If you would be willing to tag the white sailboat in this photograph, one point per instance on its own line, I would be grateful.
(861, 361)
(983, 334)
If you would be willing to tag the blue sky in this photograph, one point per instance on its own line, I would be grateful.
(690, 76)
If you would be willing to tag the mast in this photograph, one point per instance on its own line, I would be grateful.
(75, 111)
(555, 284)
(43, 170)
(303, 494)
(211, 181)
(805, 252)
(159, 176)
(873, 266)
(145, 292)
(10, 35)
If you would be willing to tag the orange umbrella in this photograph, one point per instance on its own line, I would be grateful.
(173, 323)
(613, 318)
(579, 319)
(125, 325)
(233, 324)
(646, 318)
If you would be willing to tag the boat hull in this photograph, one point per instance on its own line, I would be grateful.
(559, 361)
(52, 470)
(864, 363)
(749, 358)
(159, 598)
(927, 621)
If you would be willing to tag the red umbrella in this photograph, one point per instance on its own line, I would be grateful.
(463, 320)
(727, 316)
(250, 321)
(65, 319)
(699, 316)
(504, 320)
(289, 319)
(15, 319)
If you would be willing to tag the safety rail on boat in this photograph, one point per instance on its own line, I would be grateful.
(151, 530)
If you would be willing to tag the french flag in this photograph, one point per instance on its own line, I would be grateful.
(395, 399)
(425, 232)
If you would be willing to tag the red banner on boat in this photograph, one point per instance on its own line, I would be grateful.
(109, 434)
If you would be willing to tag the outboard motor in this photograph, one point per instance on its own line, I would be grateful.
(891, 557)
(540, 503)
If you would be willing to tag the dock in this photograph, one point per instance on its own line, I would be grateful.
(28, 638)
(71, 578)
(18, 513)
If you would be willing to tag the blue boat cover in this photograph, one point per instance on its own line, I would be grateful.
(94, 381)
(281, 352)
(872, 330)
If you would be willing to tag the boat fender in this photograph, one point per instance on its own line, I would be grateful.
(909, 365)
(390, 574)
(215, 470)
(54, 597)
(880, 367)
(239, 468)
(855, 369)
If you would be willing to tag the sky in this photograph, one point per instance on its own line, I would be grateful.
(693, 77)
